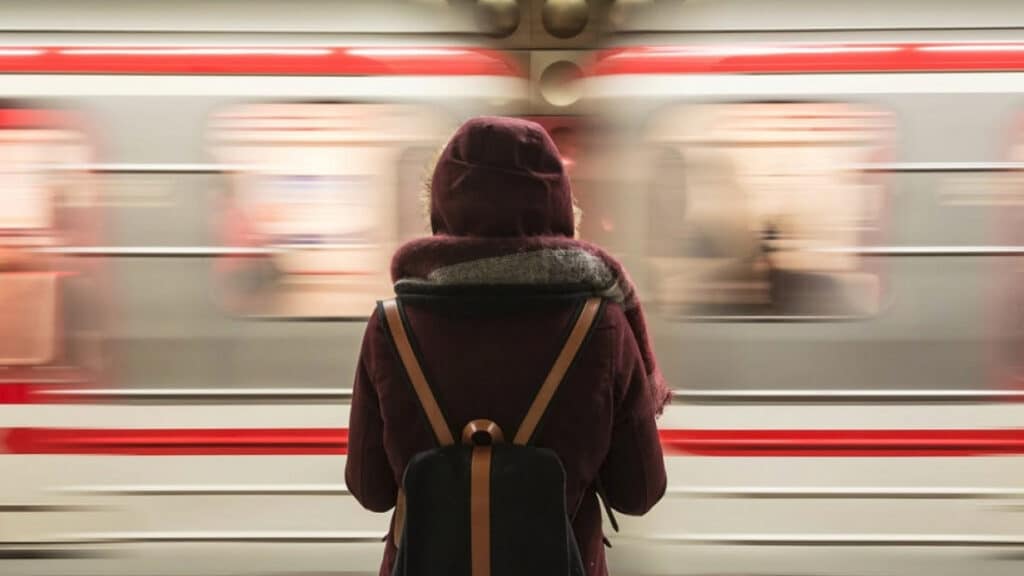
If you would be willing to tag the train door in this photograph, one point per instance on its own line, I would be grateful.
(327, 190)
(755, 208)
(49, 306)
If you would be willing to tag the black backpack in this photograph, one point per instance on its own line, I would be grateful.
(483, 507)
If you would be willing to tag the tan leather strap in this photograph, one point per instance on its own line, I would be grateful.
(419, 384)
(480, 479)
(474, 434)
(557, 372)
(416, 376)
(480, 511)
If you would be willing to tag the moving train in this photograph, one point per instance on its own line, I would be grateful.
(820, 204)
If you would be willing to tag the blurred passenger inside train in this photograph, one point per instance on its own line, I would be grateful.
(754, 221)
(489, 299)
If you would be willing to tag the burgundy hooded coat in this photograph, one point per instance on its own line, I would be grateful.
(489, 299)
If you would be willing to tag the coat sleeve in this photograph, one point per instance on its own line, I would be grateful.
(368, 473)
(633, 473)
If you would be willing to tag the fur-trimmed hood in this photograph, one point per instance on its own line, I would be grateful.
(541, 261)
(502, 214)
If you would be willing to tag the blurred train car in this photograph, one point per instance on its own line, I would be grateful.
(252, 167)
(821, 204)
(822, 200)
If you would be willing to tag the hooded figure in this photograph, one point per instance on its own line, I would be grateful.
(489, 298)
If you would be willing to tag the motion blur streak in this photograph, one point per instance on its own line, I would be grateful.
(722, 443)
(821, 204)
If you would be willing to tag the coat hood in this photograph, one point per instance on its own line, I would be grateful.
(500, 178)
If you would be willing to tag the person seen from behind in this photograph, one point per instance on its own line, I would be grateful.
(488, 304)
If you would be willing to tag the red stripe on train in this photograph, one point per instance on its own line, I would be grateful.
(18, 393)
(334, 441)
(277, 61)
(811, 58)
(40, 386)
(844, 443)
(178, 441)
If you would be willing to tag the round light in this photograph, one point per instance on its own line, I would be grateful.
(565, 18)
(558, 83)
(499, 18)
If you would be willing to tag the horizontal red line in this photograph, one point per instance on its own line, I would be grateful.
(853, 443)
(811, 58)
(327, 441)
(39, 386)
(177, 442)
(277, 61)
(20, 393)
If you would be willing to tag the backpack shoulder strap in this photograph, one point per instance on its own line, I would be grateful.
(400, 338)
(565, 358)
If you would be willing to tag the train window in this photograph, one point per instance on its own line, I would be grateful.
(41, 194)
(325, 186)
(29, 150)
(753, 205)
